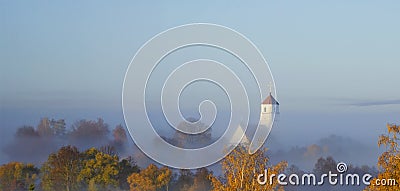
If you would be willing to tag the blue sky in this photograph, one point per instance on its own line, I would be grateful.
(349, 50)
(333, 58)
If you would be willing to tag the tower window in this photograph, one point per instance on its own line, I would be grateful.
(265, 109)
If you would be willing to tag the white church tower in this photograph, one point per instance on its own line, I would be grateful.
(269, 107)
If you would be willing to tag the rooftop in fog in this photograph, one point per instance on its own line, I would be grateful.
(270, 100)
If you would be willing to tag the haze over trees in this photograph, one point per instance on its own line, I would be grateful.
(85, 132)
(71, 164)
(184, 140)
(33, 145)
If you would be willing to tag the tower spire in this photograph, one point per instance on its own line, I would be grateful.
(270, 87)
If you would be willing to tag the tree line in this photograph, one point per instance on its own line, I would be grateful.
(102, 168)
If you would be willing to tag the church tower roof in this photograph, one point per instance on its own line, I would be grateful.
(270, 100)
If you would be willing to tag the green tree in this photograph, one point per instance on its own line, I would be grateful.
(389, 161)
(61, 170)
(150, 179)
(241, 169)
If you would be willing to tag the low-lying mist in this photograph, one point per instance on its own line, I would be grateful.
(33, 144)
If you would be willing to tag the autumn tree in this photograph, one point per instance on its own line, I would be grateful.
(61, 170)
(126, 167)
(17, 176)
(150, 179)
(99, 169)
(389, 161)
(241, 169)
(190, 180)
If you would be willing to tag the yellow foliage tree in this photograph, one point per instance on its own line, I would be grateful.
(241, 170)
(150, 179)
(17, 176)
(389, 161)
(99, 169)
